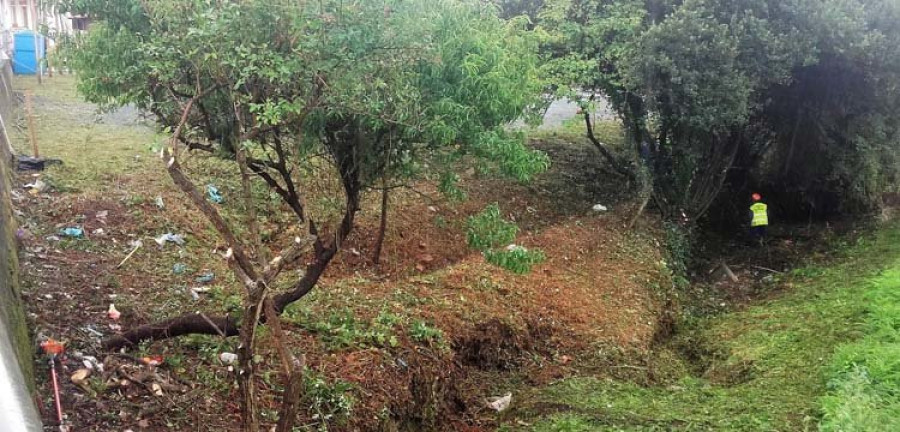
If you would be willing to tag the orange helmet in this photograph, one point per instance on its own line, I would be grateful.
(756, 197)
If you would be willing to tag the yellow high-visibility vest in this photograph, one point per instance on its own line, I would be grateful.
(760, 215)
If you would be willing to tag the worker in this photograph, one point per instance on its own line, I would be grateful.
(759, 218)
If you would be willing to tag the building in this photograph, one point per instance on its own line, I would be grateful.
(19, 15)
(16, 15)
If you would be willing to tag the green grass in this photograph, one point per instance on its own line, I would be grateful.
(864, 389)
(94, 154)
(609, 132)
(773, 367)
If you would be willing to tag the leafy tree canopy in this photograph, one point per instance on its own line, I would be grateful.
(418, 76)
(705, 83)
(360, 91)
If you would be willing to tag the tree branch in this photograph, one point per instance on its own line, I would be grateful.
(193, 145)
(290, 198)
(250, 206)
(192, 323)
(604, 150)
(213, 215)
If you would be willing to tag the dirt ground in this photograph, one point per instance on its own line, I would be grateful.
(416, 343)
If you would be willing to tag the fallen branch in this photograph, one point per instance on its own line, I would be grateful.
(193, 323)
(198, 323)
(206, 318)
(728, 272)
(766, 269)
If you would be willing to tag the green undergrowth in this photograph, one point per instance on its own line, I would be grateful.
(822, 352)
(609, 132)
(864, 385)
(488, 232)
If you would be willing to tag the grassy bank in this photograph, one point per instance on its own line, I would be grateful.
(822, 352)
(864, 385)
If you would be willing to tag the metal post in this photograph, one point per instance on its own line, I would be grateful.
(29, 115)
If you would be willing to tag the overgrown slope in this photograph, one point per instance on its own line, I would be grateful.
(768, 367)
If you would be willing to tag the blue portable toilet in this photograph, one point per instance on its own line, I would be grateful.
(25, 58)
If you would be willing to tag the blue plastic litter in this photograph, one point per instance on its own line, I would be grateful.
(169, 237)
(179, 268)
(214, 194)
(206, 277)
(72, 232)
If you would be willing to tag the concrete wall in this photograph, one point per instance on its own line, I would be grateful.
(17, 412)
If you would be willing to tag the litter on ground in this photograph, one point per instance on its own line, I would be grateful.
(500, 404)
(73, 232)
(206, 277)
(179, 268)
(214, 194)
(170, 238)
(113, 313)
(228, 358)
(36, 187)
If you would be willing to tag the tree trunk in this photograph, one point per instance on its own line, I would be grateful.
(252, 223)
(292, 374)
(640, 211)
(196, 323)
(246, 370)
(212, 215)
(290, 400)
(607, 154)
(788, 161)
(382, 228)
(645, 181)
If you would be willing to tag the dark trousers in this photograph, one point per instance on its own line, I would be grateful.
(758, 233)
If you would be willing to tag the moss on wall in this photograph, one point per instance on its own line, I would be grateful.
(11, 310)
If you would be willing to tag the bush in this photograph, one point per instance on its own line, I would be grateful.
(516, 259)
(487, 232)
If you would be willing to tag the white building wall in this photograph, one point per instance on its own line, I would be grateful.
(18, 15)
